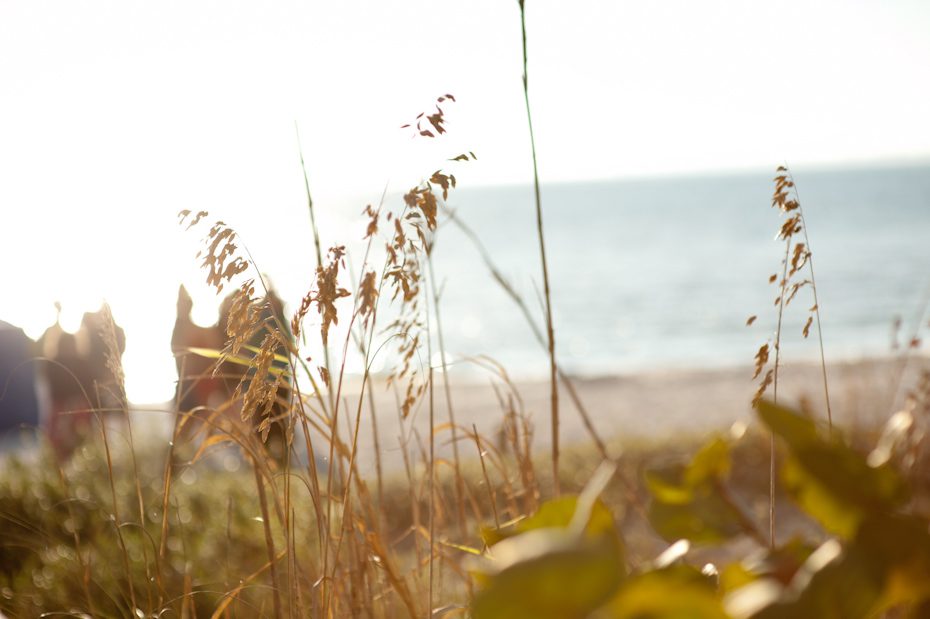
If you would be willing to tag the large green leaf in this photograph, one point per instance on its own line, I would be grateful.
(563, 561)
(705, 519)
(795, 429)
(677, 483)
(557, 513)
(677, 592)
(687, 500)
(836, 486)
(711, 463)
(886, 566)
(548, 573)
(900, 546)
(830, 481)
(667, 484)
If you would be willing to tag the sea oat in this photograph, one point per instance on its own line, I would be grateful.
(325, 295)
(427, 123)
(243, 317)
(797, 257)
(220, 255)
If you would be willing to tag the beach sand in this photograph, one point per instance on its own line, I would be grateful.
(670, 406)
(647, 406)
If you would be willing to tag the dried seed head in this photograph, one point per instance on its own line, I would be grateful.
(368, 295)
(325, 295)
(433, 122)
(807, 326)
(113, 353)
(220, 252)
(763, 386)
(762, 358)
(243, 317)
(372, 228)
(262, 383)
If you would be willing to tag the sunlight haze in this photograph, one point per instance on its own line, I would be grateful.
(117, 115)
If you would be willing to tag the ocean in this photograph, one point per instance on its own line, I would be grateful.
(664, 272)
(651, 274)
(645, 274)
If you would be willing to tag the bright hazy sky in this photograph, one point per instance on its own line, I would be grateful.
(116, 115)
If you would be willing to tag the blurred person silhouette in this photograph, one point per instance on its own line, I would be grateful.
(19, 403)
(271, 316)
(78, 379)
(101, 341)
(205, 390)
(199, 389)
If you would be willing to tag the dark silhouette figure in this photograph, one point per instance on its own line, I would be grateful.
(207, 391)
(197, 386)
(79, 380)
(271, 317)
(19, 404)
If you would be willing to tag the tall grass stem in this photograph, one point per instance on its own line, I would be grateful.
(553, 381)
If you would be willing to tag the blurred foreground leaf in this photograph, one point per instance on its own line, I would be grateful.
(829, 480)
(555, 513)
(676, 592)
(563, 561)
(689, 501)
(549, 573)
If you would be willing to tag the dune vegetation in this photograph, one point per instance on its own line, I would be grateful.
(259, 506)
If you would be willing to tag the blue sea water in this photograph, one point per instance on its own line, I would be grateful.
(665, 272)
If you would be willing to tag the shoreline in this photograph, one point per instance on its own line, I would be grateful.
(668, 403)
(651, 405)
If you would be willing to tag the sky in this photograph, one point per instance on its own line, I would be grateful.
(117, 115)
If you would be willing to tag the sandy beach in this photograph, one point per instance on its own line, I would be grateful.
(652, 405)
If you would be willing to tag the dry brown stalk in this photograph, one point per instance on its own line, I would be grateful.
(117, 523)
(316, 242)
(115, 366)
(269, 542)
(459, 484)
(487, 481)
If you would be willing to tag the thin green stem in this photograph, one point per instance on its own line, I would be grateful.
(553, 371)
(810, 264)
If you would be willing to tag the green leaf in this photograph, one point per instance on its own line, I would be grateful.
(678, 592)
(557, 513)
(886, 566)
(686, 498)
(677, 483)
(900, 546)
(735, 576)
(710, 463)
(706, 519)
(829, 480)
(667, 484)
(834, 484)
(795, 429)
(550, 574)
